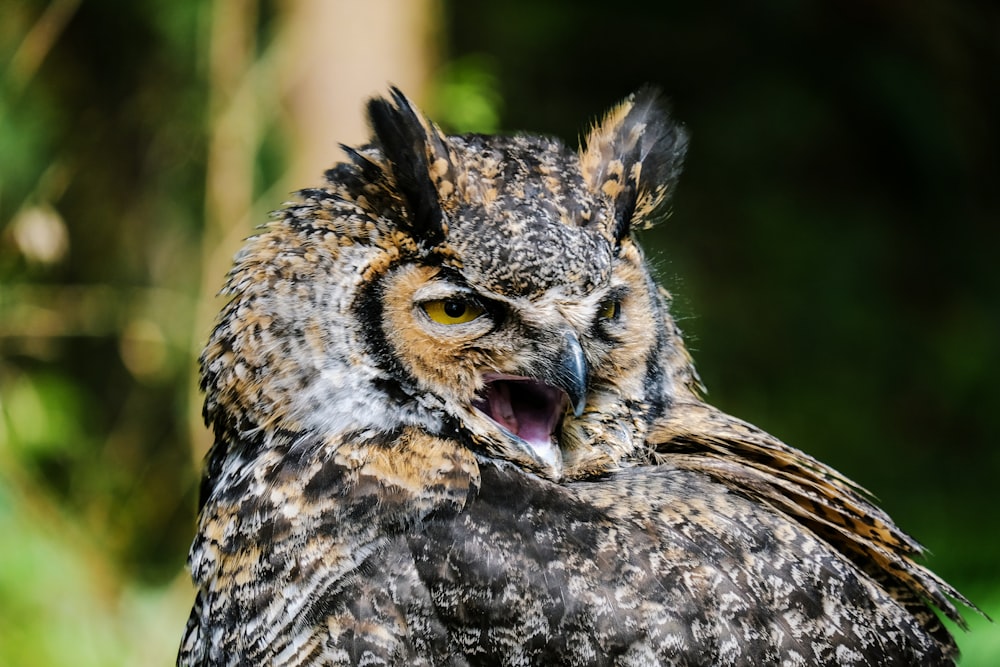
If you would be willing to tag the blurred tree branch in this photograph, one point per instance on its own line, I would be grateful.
(38, 41)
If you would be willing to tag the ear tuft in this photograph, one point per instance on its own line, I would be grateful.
(634, 157)
(419, 159)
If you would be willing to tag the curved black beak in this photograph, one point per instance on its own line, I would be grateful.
(570, 372)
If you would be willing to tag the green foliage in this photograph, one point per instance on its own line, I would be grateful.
(980, 644)
(63, 607)
(42, 415)
(101, 177)
(466, 95)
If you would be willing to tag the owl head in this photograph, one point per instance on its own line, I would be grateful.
(483, 289)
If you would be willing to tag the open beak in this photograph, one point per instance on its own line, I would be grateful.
(531, 409)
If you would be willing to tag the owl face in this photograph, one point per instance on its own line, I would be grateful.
(481, 288)
(524, 375)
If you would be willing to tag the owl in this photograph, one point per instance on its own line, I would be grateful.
(455, 424)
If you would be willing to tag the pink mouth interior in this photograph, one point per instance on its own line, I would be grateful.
(529, 409)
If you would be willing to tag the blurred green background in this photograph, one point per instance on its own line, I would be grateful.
(833, 248)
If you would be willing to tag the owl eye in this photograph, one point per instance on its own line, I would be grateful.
(611, 310)
(452, 311)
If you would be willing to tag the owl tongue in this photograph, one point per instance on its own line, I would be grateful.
(529, 409)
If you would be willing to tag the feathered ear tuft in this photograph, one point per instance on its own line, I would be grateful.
(419, 158)
(634, 156)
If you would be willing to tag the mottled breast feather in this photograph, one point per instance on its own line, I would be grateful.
(456, 424)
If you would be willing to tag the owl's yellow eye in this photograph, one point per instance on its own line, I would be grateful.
(452, 311)
(611, 310)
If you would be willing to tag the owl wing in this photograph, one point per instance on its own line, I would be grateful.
(652, 565)
(743, 459)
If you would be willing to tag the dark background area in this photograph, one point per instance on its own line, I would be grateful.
(832, 253)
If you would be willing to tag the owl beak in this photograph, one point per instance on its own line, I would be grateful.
(570, 373)
(551, 385)
(531, 409)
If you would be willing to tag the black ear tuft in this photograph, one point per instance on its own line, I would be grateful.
(634, 156)
(403, 138)
(371, 171)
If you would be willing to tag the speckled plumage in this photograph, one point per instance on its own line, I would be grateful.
(534, 480)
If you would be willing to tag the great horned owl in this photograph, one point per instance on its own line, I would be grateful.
(456, 424)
